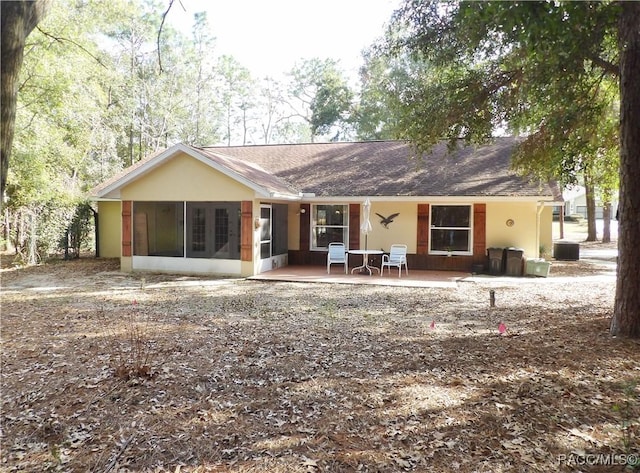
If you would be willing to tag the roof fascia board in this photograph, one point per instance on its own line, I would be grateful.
(281, 196)
(439, 198)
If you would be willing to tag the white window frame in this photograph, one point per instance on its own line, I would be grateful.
(469, 251)
(314, 224)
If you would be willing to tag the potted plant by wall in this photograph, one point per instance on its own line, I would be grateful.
(543, 252)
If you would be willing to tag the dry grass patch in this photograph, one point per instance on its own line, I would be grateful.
(246, 376)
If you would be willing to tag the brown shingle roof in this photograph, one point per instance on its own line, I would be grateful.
(387, 168)
(250, 171)
(358, 169)
(243, 170)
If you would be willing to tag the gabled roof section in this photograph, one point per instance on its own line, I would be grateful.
(391, 168)
(245, 172)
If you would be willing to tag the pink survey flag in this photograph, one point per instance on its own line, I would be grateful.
(502, 328)
(433, 325)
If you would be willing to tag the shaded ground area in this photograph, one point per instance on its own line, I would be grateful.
(103, 371)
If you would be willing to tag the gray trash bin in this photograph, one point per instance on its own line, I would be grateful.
(515, 261)
(495, 260)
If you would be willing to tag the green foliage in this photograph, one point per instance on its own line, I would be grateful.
(96, 95)
(35, 229)
(331, 103)
(200, 125)
(324, 98)
(384, 79)
(77, 234)
(543, 69)
(59, 106)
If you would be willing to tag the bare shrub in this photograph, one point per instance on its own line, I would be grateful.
(132, 350)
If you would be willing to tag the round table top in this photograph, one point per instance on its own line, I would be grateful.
(366, 252)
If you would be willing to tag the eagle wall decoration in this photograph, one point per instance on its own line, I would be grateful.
(385, 221)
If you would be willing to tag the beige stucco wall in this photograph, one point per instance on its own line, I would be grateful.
(110, 229)
(523, 233)
(403, 230)
(185, 178)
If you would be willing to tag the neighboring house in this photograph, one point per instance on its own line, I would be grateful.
(575, 203)
(243, 210)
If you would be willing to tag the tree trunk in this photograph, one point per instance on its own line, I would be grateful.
(6, 231)
(32, 253)
(18, 19)
(626, 314)
(591, 207)
(18, 241)
(606, 222)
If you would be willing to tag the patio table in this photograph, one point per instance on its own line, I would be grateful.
(365, 260)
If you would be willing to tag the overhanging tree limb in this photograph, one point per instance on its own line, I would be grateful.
(79, 46)
(609, 67)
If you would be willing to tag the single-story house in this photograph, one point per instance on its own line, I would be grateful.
(244, 210)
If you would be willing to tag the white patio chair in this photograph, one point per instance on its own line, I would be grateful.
(337, 254)
(397, 257)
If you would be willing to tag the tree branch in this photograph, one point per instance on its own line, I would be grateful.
(164, 17)
(607, 66)
(37, 13)
(62, 40)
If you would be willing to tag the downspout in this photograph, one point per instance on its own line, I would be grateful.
(538, 215)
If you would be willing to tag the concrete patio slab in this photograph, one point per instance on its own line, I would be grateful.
(416, 278)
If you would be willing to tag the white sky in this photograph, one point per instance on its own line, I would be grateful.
(269, 36)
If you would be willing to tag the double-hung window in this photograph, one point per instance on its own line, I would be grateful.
(450, 229)
(329, 223)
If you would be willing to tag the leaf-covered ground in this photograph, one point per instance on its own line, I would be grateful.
(104, 371)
